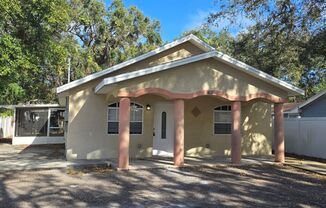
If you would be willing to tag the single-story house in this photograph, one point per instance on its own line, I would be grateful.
(313, 107)
(181, 99)
(290, 110)
(38, 124)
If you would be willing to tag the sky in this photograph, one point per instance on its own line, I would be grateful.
(175, 16)
(178, 16)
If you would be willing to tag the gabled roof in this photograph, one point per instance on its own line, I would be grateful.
(292, 90)
(288, 107)
(192, 38)
(312, 99)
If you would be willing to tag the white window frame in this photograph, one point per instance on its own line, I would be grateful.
(117, 116)
(142, 117)
(214, 111)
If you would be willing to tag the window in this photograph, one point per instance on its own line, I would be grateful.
(136, 118)
(39, 122)
(163, 127)
(222, 120)
(113, 118)
(31, 122)
(57, 118)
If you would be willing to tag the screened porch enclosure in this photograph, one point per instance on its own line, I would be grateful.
(39, 122)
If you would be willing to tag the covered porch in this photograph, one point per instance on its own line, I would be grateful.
(179, 102)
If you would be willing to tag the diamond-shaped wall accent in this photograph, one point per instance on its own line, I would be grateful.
(195, 112)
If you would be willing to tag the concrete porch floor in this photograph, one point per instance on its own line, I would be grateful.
(17, 158)
(166, 162)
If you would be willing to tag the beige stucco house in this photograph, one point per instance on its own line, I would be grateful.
(182, 99)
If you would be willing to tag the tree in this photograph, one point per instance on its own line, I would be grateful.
(30, 36)
(222, 41)
(286, 39)
(113, 36)
(38, 36)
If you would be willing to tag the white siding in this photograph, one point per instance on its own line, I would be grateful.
(6, 127)
(38, 140)
(306, 136)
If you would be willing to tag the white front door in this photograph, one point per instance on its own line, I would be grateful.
(163, 137)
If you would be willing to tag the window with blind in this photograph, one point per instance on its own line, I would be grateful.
(136, 118)
(222, 119)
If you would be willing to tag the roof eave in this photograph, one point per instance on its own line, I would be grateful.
(290, 89)
(32, 106)
(192, 38)
(312, 99)
(151, 70)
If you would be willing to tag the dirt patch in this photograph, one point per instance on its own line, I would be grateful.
(87, 170)
(243, 186)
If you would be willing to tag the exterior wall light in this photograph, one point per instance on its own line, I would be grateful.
(148, 107)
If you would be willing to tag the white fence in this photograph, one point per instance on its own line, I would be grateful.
(306, 136)
(6, 127)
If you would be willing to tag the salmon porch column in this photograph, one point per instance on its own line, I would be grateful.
(179, 133)
(278, 132)
(124, 119)
(236, 132)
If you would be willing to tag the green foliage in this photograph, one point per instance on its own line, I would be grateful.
(30, 35)
(287, 38)
(4, 112)
(112, 36)
(38, 36)
(222, 41)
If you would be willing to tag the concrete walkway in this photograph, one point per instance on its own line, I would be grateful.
(17, 158)
(308, 165)
(164, 162)
(161, 162)
(21, 157)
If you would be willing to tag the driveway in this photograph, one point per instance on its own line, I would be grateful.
(22, 157)
(220, 186)
(153, 182)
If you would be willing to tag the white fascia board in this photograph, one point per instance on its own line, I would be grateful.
(6, 106)
(258, 74)
(293, 110)
(312, 99)
(213, 54)
(151, 70)
(199, 43)
(35, 106)
(195, 40)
